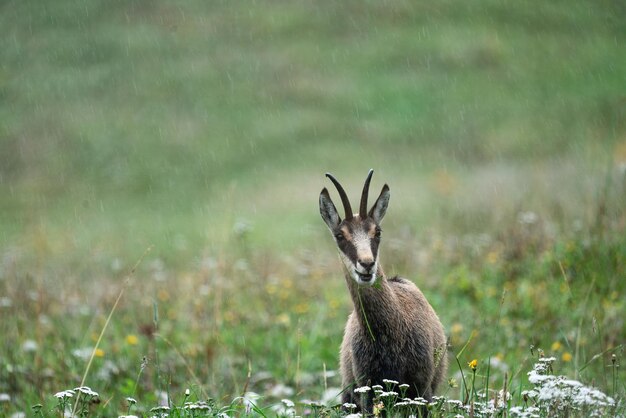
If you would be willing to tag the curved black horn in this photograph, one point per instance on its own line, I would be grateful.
(366, 189)
(343, 195)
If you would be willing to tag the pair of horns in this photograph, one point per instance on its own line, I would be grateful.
(346, 201)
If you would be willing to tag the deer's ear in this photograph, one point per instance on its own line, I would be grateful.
(377, 212)
(328, 210)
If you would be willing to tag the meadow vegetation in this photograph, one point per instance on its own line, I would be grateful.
(160, 164)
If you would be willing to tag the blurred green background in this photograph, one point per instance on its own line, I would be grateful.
(202, 129)
(153, 120)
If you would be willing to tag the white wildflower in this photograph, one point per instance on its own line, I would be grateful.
(249, 400)
(197, 406)
(131, 401)
(281, 390)
(29, 346)
(108, 370)
(85, 390)
(160, 409)
(527, 218)
(5, 397)
(363, 389)
(502, 398)
(436, 401)
(83, 353)
(65, 394)
(532, 394)
(521, 412)
(241, 228)
(484, 409)
(558, 391)
(455, 403)
(162, 398)
(496, 363)
(288, 403)
(349, 406)
(284, 408)
(390, 382)
(331, 396)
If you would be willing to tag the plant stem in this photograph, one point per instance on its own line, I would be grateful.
(367, 324)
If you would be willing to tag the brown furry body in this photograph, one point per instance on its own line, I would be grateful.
(393, 333)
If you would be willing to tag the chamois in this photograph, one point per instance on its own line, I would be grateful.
(393, 332)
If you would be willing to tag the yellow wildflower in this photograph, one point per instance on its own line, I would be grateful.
(556, 346)
(566, 357)
(301, 308)
(99, 352)
(271, 289)
(132, 339)
(334, 303)
(492, 257)
(378, 408)
(283, 319)
(473, 364)
(163, 295)
(456, 328)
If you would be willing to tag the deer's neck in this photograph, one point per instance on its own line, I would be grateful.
(376, 306)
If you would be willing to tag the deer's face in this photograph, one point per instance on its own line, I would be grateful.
(357, 236)
(358, 241)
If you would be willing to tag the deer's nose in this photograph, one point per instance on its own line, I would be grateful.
(367, 264)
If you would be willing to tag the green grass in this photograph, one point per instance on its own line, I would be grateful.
(202, 131)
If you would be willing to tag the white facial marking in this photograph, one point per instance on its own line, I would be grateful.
(362, 243)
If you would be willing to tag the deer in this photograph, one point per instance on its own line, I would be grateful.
(393, 333)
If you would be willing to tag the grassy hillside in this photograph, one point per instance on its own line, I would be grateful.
(201, 131)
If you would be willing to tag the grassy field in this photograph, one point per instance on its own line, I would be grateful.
(160, 165)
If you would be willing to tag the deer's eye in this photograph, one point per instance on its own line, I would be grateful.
(377, 232)
(339, 237)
